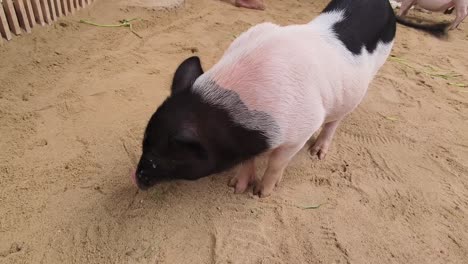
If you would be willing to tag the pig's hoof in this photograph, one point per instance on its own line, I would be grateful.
(239, 186)
(320, 149)
(261, 191)
(240, 183)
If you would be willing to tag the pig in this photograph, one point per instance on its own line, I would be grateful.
(460, 6)
(449, 11)
(273, 89)
(252, 4)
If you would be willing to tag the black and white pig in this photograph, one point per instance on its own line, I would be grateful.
(270, 92)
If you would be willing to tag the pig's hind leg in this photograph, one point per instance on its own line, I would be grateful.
(322, 144)
(244, 177)
(277, 163)
(461, 8)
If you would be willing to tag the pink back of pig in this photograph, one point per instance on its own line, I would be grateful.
(301, 75)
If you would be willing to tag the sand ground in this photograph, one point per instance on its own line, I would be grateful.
(74, 100)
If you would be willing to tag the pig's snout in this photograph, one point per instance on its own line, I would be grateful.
(145, 175)
(142, 180)
(134, 177)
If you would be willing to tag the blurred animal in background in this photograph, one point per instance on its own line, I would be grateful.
(445, 6)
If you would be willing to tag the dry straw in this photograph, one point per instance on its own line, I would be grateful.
(431, 71)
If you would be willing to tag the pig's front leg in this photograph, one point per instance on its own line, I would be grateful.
(244, 177)
(322, 144)
(278, 161)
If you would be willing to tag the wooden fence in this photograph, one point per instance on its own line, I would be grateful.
(19, 16)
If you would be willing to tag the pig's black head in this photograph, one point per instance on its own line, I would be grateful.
(172, 147)
(189, 138)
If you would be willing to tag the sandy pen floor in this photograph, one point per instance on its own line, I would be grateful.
(74, 100)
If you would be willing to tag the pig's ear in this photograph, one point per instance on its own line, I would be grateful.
(186, 74)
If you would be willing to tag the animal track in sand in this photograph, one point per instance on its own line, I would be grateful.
(335, 252)
(382, 169)
(376, 139)
(245, 240)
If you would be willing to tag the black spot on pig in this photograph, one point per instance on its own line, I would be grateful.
(189, 138)
(365, 23)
